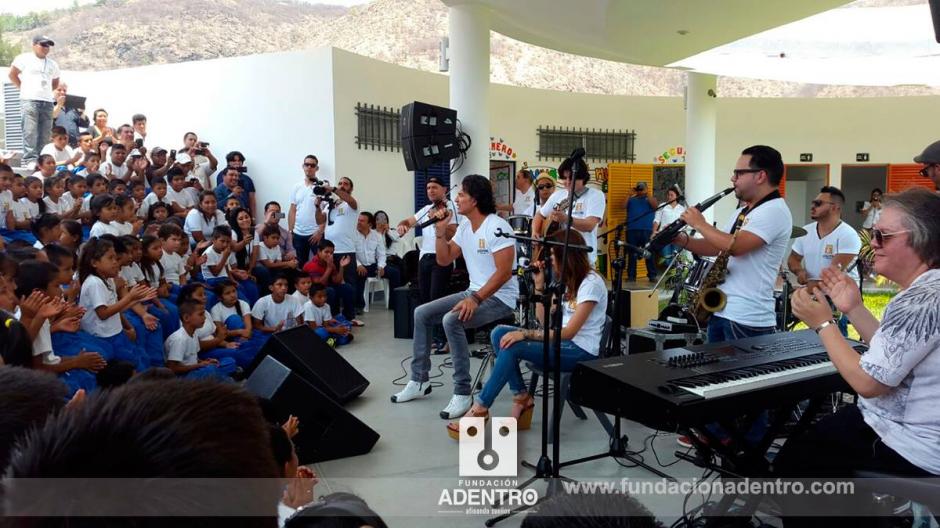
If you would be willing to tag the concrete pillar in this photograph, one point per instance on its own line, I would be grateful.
(701, 112)
(469, 33)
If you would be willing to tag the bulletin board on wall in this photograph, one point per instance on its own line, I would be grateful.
(903, 176)
(621, 179)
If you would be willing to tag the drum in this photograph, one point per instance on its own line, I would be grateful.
(697, 274)
(520, 224)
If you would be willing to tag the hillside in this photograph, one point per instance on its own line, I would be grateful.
(123, 33)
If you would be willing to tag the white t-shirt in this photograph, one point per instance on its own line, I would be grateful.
(370, 249)
(272, 313)
(123, 228)
(266, 253)
(36, 76)
(591, 203)
(156, 275)
(220, 312)
(524, 203)
(196, 221)
(342, 233)
(592, 288)
(905, 355)
(213, 257)
(872, 217)
(203, 173)
(182, 347)
(301, 298)
(53, 207)
(182, 198)
(749, 283)
(305, 219)
(149, 201)
(317, 314)
(42, 345)
(174, 266)
(668, 215)
(60, 156)
(25, 209)
(6, 204)
(818, 253)
(114, 172)
(132, 274)
(207, 330)
(478, 249)
(67, 202)
(96, 292)
(100, 228)
(429, 234)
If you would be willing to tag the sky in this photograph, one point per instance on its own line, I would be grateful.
(22, 7)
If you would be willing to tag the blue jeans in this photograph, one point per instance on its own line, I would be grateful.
(506, 367)
(439, 312)
(720, 330)
(639, 238)
(37, 127)
(303, 248)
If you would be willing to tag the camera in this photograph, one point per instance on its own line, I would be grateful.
(173, 154)
(319, 189)
(241, 169)
(139, 142)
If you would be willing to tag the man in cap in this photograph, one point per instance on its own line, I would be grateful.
(36, 76)
(930, 157)
(640, 217)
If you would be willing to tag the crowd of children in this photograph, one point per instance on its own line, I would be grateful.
(105, 276)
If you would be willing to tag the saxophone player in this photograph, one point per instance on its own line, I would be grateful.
(755, 238)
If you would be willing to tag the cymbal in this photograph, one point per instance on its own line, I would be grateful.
(797, 232)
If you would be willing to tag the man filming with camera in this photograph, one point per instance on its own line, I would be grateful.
(302, 214)
(337, 207)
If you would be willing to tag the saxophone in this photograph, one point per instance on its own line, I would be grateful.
(708, 298)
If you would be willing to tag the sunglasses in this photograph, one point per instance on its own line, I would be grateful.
(818, 203)
(545, 186)
(923, 172)
(737, 173)
(880, 236)
(311, 165)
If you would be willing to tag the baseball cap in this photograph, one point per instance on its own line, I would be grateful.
(931, 154)
(435, 179)
(157, 150)
(183, 158)
(134, 154)
(640, 186)
(42, 39)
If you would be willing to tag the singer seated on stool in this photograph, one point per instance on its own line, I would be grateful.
(895, 428)
(584, 305)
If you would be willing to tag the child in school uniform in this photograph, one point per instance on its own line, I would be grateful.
(302, 284)
(126, 221)
(215, 340)
(97, 268)
(162, 307)
(54, 188)
(46, 228)
(269, 253)
(157, 195)
(182, 348)
(24, 208)
(220, 264)
(72, 203)
(277, 311)
(174, 265)
(104, 211)
(318, 316)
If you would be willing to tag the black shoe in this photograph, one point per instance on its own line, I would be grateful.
(239, 374)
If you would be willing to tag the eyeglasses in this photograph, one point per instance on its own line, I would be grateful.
(880, 236)
(818, 203)
(738, 172)
(45, 44)
(923, 172)
(311, 165)
(545, 186)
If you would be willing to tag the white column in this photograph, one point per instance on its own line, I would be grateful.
(469, 29)
(701, 114)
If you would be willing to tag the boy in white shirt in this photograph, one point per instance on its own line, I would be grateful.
(181, 349)
(174, 264)
(157, 194)
(181, 201)
(126, 222)
(318, 317)
(269, 252)
(275, 312)
(220, 264)
(60, 150)
(302, 284)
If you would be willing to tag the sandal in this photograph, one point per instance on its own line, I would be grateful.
(356, 322)
(523, 408)
(453, 428)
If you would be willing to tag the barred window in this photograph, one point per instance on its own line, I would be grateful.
(378, 127)
(607, 145)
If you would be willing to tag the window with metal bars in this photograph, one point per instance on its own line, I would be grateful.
(378, 127)
(607, 145)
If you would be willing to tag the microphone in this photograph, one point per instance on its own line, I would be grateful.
(642, 253)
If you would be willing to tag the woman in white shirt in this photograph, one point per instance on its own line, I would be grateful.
(871, 210)
(585, 310)
(204, 218)
(667, 215)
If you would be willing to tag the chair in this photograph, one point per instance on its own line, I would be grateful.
(879, 484)
(565, 385)
(368, 293)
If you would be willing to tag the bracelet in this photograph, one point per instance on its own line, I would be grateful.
(824, 325)
(477, 298)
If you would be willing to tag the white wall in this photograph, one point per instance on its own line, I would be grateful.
(274, 108)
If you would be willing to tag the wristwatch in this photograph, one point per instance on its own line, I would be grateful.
(824, 325)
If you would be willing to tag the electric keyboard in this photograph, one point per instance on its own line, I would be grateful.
(705, 383)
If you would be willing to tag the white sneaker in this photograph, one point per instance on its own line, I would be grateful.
(458, 406)
(411, 391)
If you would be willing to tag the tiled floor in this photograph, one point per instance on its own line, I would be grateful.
(414, 461)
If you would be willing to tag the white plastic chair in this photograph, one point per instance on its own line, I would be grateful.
(368, 293)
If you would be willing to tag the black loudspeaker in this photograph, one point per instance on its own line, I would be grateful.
(327, 431)
(404, 300)
(935, 16)
(309, 357)
(428, 135)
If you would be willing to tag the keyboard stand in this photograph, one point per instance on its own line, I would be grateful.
(741, 459)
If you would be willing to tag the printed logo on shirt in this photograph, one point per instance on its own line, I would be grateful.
(481, 246)
(579, 207)
(828, 250)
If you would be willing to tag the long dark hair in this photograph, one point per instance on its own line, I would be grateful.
(220, 289)
(577, 265)
(388, 238)
(92, 250)
(481, 190)
(146, 263)
(241, 257)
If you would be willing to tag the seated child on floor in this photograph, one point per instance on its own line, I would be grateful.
(335, 331)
